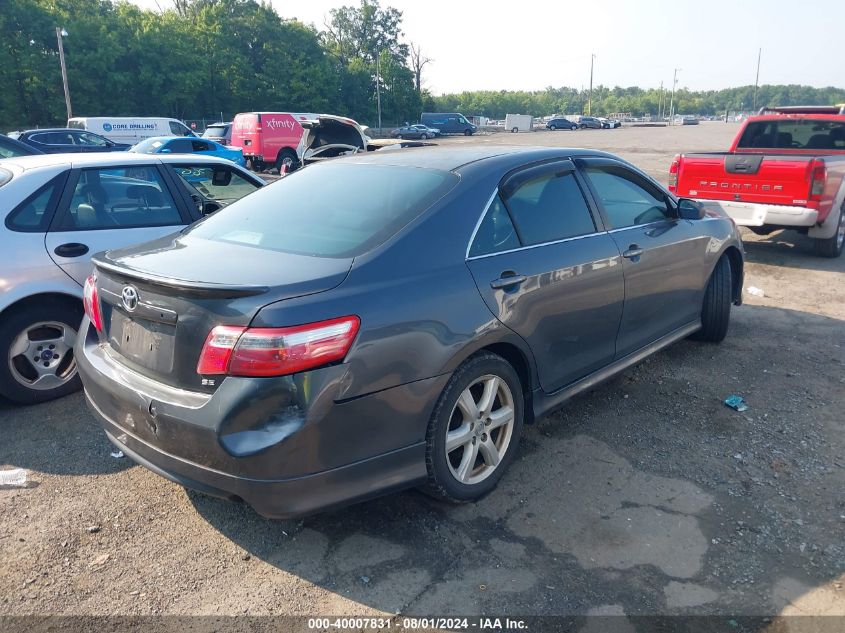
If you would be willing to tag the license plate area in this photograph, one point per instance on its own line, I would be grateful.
(146, 343)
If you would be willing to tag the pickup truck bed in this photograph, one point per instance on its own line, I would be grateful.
(782, 171)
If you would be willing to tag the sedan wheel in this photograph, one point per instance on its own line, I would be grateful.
(475, 429)
(424, 136)
(38, 360)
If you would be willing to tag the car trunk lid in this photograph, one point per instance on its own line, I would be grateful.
(159, 301)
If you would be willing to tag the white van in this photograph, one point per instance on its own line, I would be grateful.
(130, 130)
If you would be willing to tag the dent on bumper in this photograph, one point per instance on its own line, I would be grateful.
(284, 447)
(753, 214)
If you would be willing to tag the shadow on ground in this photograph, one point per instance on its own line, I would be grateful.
(644, 496)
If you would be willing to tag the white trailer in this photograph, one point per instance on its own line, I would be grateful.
(519, 122)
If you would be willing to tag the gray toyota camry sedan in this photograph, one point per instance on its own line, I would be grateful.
(392, 319)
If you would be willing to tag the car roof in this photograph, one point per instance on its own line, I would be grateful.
(453, 158)
(53, 129)
(105, 159)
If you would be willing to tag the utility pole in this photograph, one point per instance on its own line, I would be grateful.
(757, 80)
(672, 100)
(60, 32)
(590, 101)
(378, 89)
(660, 102)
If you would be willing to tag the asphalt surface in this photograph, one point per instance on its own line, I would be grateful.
(644, 496)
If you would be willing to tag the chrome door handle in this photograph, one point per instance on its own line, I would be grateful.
(506, 282)
(633, 252)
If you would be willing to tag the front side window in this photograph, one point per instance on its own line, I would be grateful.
(180, 146)
(628, 199)
(364, 206)
(123, 197)
(178, 129)
(548, 208)
(219, 184)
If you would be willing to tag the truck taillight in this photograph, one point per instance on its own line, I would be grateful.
(818, 180)
(238, 351)
(673, 173)
(91, 302)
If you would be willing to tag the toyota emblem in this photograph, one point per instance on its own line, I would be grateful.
(129, 296)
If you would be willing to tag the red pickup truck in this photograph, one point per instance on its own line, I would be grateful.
(784, 170)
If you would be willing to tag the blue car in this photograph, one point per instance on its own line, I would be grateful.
(186, 145)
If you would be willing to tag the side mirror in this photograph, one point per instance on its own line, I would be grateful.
(210, 207)
(165, 151)
(690, 209)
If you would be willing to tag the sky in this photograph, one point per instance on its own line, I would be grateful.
(532, 44)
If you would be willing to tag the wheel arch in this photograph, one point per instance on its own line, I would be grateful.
(737, 272)
(66, 299)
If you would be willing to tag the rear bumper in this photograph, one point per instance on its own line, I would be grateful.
(754, 214)
(285, 446)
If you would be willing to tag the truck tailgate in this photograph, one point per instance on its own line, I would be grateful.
(769, 179)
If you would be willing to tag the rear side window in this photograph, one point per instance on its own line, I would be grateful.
(548, 208)
(180, 146)
(33, 214)
(496, 232)
(329, 210)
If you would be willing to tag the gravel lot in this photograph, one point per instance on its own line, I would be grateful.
(645, 496)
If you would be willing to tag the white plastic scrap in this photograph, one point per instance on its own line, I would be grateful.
(754, 290)
(15, 478)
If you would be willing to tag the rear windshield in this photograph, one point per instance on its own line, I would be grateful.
(329, 210)
(215, 131)
(794, 134)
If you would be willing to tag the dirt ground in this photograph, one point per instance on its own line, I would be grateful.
(644, 496)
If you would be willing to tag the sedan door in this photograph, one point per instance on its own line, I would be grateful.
(549, 271)
(663, 256)
(110, 207)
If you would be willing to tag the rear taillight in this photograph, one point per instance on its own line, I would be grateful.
(818, 179)
(238, 351)
(673, 173)
(91, 302)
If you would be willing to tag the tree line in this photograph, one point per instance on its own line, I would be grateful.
(206, 58)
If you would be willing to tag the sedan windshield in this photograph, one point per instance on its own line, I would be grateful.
(148, 146)
(329, 210)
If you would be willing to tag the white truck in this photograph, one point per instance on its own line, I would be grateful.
(130, 129)
(519, 122)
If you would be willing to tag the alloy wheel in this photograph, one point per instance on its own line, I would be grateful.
(41, 356)
(480, 429)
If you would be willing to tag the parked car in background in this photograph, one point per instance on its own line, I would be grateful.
(10, 148)
(219, 133)
(609, 124)
(448, 122)
(784, 170)
(182, 145)
(130, 130)
(685, 119)
(590, 122)
(418, 130)
(561, 123)
(58, 211)
(321, 316)
(67, 141)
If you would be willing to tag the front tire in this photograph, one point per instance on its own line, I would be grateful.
(36, 352)
(716, 310)
(474, 431)
(552, 127)
(833, 245)
(467, 132)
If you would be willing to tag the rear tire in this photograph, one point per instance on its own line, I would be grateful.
(716, 310)
(832, 246)
(29, 332)
(287, 156)
(480, 413)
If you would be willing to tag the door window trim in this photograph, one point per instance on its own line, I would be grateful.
(582, 162)
(524, 171)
